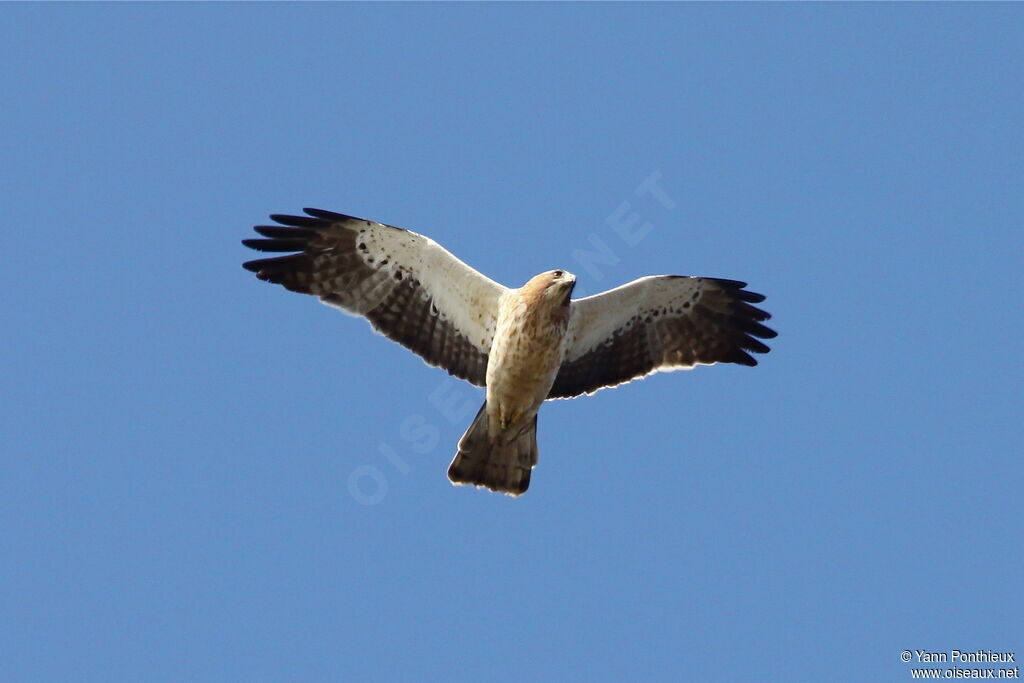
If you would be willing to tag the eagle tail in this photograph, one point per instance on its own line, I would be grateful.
(501, 464)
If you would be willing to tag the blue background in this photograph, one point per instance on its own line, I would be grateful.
(208, 478)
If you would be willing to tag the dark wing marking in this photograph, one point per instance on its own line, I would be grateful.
(410, 288)
(656, 324)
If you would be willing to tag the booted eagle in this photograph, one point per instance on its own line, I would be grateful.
(525, 345)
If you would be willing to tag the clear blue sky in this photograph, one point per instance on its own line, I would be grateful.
(180, 440)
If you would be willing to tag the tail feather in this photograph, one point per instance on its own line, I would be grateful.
(500, 464)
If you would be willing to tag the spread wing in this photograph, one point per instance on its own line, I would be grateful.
(659, 323)
(409, 287)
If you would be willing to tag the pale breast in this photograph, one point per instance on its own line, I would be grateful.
(525, 354)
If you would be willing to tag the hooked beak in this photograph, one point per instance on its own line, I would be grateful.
(571, 285)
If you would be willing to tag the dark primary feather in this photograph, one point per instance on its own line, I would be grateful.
(330, 215)
(285, 233)
(289, 244)
(297, 221)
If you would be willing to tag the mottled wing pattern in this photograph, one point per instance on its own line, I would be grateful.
(409, 287)
(659, 323)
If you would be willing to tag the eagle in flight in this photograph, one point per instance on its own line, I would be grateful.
(524, 345)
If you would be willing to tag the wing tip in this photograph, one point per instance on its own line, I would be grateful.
(276, 244)
(744, 358)
(282, 232)
(297, 221)
(293, 234)
(752, 327)
(726, 283)
(331, 216)
(746, 316)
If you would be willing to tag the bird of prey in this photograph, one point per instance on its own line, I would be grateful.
(524, 345)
